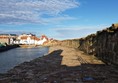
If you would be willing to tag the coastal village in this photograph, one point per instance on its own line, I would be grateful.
(10, 41)
(23, 39)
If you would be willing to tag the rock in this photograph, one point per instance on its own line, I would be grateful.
(88, 78)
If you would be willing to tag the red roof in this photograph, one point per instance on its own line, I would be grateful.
(31, 37)
(3, 37)
(43, 36)
(35, 38)
(24, 37)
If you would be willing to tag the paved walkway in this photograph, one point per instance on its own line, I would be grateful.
(74, 57)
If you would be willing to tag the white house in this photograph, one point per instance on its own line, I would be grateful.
(43, 39)
(31, 39)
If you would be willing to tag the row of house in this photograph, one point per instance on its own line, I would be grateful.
(24, 39)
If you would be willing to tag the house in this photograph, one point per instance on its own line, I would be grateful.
(7, 38)
(26, 39)
(43, 39)
(31, 39)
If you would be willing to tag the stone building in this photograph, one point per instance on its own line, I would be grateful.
(7, 38)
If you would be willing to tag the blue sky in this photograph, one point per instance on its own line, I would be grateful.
(58, 19)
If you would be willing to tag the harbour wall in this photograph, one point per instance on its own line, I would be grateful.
(103, 44)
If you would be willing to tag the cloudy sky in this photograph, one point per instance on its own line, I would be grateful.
(59, 19)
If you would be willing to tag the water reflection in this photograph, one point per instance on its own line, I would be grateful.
(13, 57)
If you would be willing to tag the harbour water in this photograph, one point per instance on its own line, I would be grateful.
(11, 58)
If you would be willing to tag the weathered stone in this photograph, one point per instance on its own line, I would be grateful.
(103, 44)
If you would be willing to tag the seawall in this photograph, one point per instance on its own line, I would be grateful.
(103, 44)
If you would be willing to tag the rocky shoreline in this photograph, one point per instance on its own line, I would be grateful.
(62, 65)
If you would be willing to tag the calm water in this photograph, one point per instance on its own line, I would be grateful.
(13, 57)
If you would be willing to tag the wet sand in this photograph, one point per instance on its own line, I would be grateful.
(62, 65)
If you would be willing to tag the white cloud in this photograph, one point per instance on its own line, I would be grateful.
(16, 32)
(31, 11)
(58, 19)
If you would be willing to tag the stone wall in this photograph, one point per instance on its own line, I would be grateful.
(106, 47)
(74, 43)
(103, 44)
(87, 44)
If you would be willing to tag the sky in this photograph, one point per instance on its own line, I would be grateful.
(58, 19)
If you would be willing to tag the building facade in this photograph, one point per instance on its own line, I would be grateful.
(31, 39)
(7, 38)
